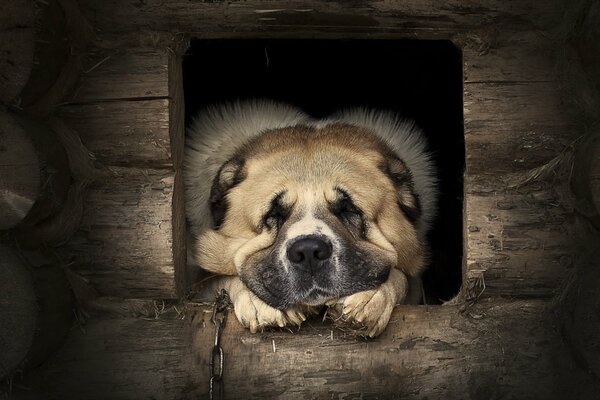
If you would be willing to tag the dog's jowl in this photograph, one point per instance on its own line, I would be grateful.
(297, 213)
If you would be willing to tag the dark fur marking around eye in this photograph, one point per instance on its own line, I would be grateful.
(229, 175)
(352, 216)
(278, 213)
(412, 213)
(402, 178)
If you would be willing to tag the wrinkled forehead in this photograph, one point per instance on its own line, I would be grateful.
(310, 178)
(314, 166)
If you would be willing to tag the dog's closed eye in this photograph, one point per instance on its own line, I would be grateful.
(347, 211)
(277, 214)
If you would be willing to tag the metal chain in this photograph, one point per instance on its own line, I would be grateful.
(219, 318)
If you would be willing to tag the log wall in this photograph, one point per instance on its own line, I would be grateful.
(518, 216)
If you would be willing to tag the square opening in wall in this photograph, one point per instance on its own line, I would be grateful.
(417, 80)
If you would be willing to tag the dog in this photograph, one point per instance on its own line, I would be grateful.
(295, 213)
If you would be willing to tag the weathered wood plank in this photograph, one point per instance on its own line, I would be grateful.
(514, 126)
(17, 31)
(122, 358)
(495, 350)
(19, 311)
(504, 106)
(515, 151)
(127, 73)
(119, 133)
(509, 57)
(177, 137)
(125, 243)
(415, 18)
(518, 241)
(21, 172)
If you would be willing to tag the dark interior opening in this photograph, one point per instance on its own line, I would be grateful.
(421, 80)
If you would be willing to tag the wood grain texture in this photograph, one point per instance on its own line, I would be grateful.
(62, 34)
(18, 318)
(125, 242)
(125, 358)
(123, 133)
(494, 56)
(17, 44)
(20, 172)
(126, 73)
(518, 241)
(413, 18)
(437, 353)
(121, 112)
(177, 138)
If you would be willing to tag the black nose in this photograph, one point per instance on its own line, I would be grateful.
(306, 252)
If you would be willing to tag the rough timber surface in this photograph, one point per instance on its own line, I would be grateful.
(16, 47)
(517, 237)
(414, 18)
(435, 353)
(125, 243)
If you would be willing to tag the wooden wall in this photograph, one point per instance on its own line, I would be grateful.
(518, 214)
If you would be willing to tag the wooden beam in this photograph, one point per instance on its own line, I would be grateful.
(21, 172)
(17, 44)
(495, 349)
(126, 73)
(19, 311)
(413, 18)
(125, 242)
(519, 242)
(122, 133)
(494, 57)
(131, 240)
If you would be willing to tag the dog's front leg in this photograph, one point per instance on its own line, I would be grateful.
(251, 311)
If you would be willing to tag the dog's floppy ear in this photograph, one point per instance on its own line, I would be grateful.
(230, 174)
(401, 177)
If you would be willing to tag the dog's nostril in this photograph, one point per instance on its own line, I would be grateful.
(309, 249)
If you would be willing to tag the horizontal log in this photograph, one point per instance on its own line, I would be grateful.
(504, 106)
(519, 241)
(125, 242)
(18, 318)
(20, 172)
(495, 349)
(127, 73)
(122, 358)
(123, 133)
(17, 44)
(513, 127)
(523, 148)
(508, 57)
(61, 37)
(412, 17)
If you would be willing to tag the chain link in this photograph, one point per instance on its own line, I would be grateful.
(219, 318)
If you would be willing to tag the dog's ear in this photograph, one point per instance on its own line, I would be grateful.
(230, 174)
(408, 200)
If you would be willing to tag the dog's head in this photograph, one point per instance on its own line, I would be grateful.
(305, 214)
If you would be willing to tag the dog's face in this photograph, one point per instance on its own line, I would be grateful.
(305, 215)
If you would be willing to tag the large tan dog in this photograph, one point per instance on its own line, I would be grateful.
(298, 213)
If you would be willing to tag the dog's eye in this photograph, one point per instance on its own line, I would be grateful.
(277, 214)
(352, 216)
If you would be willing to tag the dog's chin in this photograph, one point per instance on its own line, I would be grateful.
(282, 294)
(317, 297)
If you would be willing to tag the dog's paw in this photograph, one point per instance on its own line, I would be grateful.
(368, 312)
(255, 314)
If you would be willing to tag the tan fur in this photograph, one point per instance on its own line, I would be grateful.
(309, 163)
